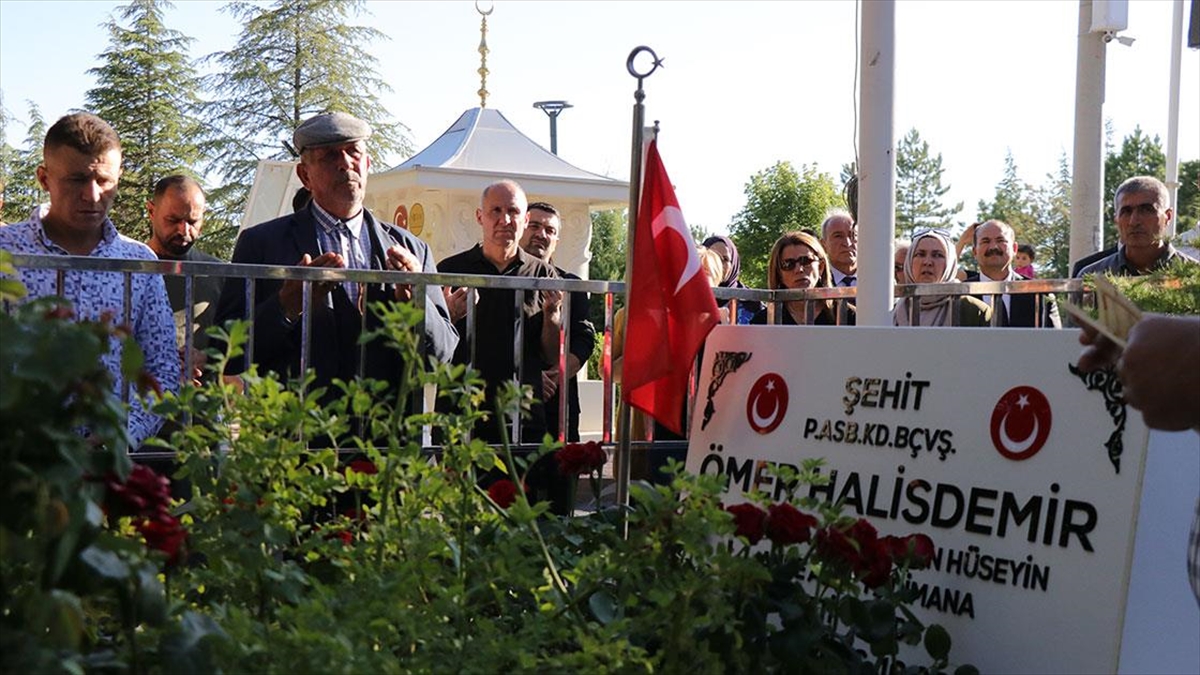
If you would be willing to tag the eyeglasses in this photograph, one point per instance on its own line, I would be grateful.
(789, 264)
(930, 230)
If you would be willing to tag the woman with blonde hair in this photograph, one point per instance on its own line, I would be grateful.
(797, 261)
(932, 259)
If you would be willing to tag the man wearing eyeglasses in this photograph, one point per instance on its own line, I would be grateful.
(839, 237)
(1143, 208)
(994, 247)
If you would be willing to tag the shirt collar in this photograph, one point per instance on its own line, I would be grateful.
(329, 221)
(108, 233)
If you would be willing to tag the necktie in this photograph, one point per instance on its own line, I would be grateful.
(848, 280)
(350, 253)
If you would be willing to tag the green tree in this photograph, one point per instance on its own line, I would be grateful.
(293, 59)
(1051, 238)
(1013, 202)
(608, 245)
(23, 192)
(919, 189)
(779, 199)
(1189, 196)
(1139, 155)
(8, 154)
(608, 249)
(146, 88)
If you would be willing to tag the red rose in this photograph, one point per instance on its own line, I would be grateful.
(165, 534)
(503, 492)
(144, 493)
(788, 525)
(875, 564)
(576, 458)
(364, 466)
(863, 532)
(748, 521)
(915, 551)
(835, 546)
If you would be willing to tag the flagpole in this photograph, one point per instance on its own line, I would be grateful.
(635, 190)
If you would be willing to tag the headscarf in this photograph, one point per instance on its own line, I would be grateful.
(735, 262)
(935, 309)
(746, 308)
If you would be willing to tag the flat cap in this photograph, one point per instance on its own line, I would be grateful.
(330, 129)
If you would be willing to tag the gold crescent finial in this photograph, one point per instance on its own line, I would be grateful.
(483, 52)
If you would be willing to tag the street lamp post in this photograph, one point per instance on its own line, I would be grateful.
(553, 109)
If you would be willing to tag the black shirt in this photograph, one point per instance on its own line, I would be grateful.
(583, 342)
(494, 326)
(205, 293)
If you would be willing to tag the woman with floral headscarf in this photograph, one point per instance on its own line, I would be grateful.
(932, 260)
(723, 247)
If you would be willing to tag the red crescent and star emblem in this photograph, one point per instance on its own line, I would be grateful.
(1020, 423)
(767, 403)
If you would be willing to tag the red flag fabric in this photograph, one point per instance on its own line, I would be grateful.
(671, 306)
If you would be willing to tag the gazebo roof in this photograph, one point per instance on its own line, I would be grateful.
(483, 140)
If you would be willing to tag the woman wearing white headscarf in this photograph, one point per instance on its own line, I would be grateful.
(932, 260)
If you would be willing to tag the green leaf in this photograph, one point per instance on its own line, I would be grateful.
(132, 358)
(937, 642)
(64, 620)
(151, 596)
(105, 563)
(604, 607)
(185, 650)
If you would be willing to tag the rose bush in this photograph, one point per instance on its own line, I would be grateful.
(81, 590)
(297, 560)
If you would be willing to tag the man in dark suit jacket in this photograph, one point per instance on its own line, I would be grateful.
(995, 246)
(540, 240)
(333, 230)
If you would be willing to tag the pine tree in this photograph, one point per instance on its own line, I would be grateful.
(1051, 237)
(919, 189)
(146, 89)
(293, 59)
(8, 156)
(23, 193)
(1013, 202)
(1139, 155)
(779, 199)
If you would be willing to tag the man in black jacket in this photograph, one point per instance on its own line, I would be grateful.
(540, 240)
(995, 246)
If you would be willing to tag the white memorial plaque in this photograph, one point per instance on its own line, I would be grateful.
(1026, 475)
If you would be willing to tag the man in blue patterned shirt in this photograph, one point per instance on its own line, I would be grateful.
(80, 169)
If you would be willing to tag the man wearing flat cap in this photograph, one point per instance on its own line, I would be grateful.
(333, 230)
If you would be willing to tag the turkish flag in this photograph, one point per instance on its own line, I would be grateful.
(671, 306)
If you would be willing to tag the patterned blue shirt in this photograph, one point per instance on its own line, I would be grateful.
(93, 293)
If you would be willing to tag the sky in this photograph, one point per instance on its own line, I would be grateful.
(743, 84)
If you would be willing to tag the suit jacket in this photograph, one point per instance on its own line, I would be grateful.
(336, 322)
(583, 343)
(1023, 308)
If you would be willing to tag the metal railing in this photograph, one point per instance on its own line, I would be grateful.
(990, 291)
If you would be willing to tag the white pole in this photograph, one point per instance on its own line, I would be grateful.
(877, 163)
(1087, 180)
(1173, 115)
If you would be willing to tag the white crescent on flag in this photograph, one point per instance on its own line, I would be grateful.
(672, 218)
